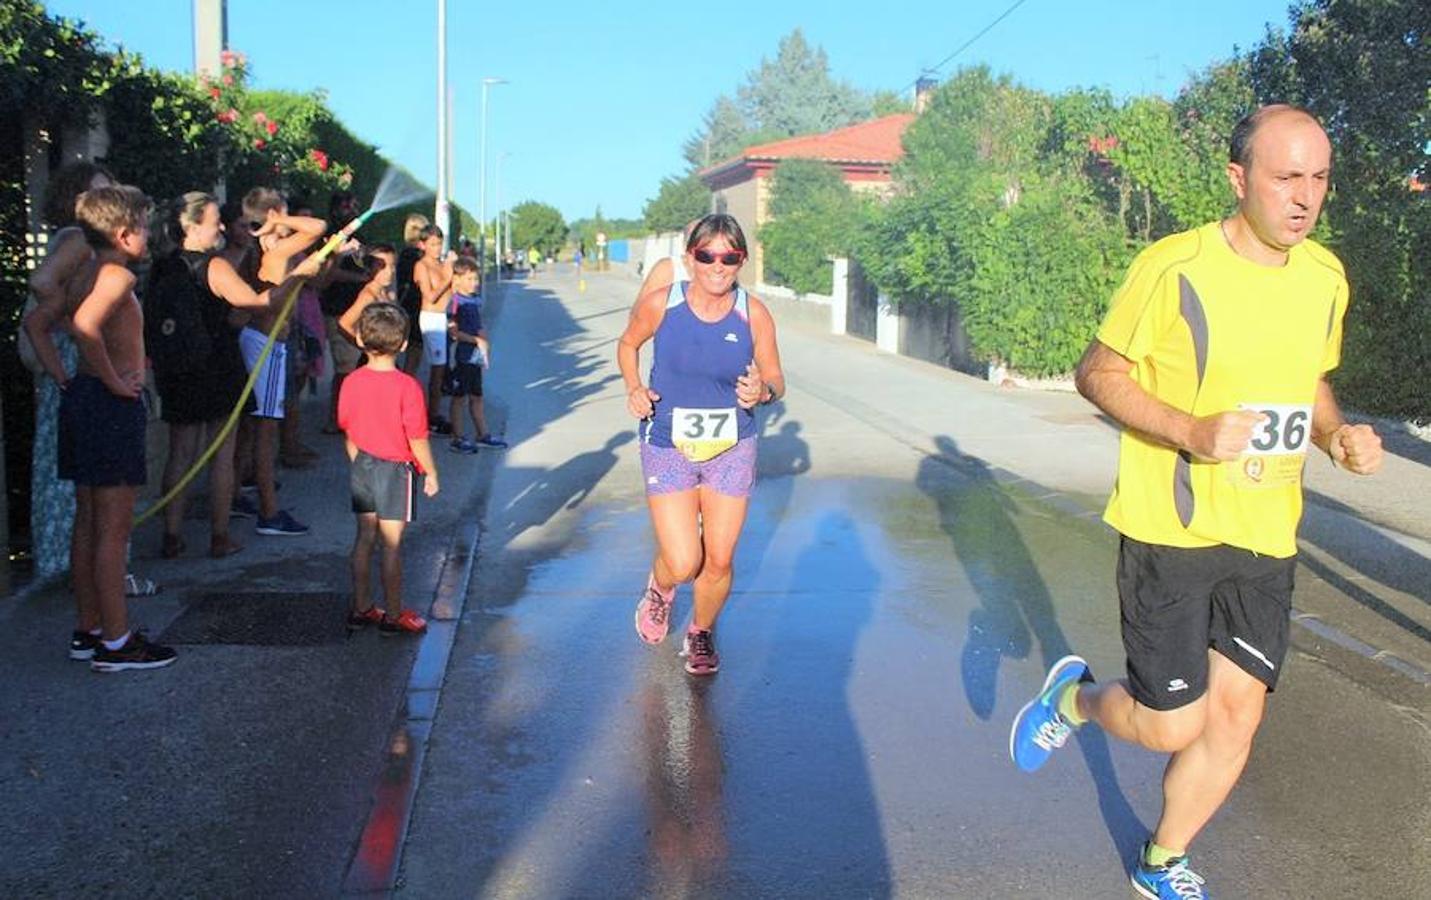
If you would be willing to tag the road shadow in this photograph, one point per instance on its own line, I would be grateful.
(549, 491)
(809, 820)
(1340, 532)
(782, 455)
(1016, 614)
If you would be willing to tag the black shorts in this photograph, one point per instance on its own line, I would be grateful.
(1177, 602)
(383, 487)
(463, 380)
(101, 436)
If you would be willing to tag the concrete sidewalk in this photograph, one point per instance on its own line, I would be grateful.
(248, 767)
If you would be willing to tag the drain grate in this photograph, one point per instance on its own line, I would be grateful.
(261, 619)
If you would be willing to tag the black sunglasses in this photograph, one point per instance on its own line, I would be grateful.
(729, 258)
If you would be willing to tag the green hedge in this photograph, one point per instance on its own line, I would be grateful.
(1024, 207)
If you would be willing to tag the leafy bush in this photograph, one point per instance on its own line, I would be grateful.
(814, 216)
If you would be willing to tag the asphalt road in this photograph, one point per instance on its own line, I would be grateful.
(920, 547)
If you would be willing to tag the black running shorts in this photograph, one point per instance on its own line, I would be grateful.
(383, 487)
(1177, 602)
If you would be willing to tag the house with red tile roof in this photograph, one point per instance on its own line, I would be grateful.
(864, 153)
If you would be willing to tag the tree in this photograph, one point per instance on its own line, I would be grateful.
(538, 225)
(789, 95)
(814, 216)
(722, 135)
(1362, 66)
(794, 93)
(677, 202)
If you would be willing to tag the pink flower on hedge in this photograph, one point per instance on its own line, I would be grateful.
(320, 158)
(259, 143)
(214, 92)
(229, 80)
(271, 127)
(228, 58)
(259, 118)
(1103, 145)
(345, 180)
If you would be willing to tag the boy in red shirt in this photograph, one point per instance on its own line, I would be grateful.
(384, 415)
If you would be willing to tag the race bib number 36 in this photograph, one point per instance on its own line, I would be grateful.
(702, 434)
(1278, 448)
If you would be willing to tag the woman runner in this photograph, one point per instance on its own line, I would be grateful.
(715, 358)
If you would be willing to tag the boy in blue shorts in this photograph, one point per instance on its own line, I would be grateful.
(384, 416)
(470, 355)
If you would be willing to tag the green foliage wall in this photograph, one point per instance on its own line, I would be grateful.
(814, 216)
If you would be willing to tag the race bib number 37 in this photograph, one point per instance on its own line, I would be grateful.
(1278, 448)
(702, 434)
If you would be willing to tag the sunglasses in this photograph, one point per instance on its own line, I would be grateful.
(729, 258)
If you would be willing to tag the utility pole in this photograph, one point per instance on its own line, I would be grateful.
(211, 35)
(440, 212)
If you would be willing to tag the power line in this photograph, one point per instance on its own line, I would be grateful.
(967, 44)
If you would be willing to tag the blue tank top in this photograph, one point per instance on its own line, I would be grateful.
(695, 366)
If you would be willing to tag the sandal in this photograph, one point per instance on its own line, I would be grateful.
(219, 547)
(139, 586)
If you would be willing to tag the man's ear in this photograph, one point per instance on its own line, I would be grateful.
(1237, 177)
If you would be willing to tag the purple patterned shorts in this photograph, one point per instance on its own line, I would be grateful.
(667, 470)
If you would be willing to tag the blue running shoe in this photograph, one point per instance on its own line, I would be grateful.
(1038, 729)
(1174, 881)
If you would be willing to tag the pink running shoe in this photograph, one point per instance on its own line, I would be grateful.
(653, 612)
(700, 653)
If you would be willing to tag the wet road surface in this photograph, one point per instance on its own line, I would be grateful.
(899, 592)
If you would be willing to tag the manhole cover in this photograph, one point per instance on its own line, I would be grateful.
(264, 619)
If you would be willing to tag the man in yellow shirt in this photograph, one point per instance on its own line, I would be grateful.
(1213, 357)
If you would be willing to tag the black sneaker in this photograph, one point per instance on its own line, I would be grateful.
(440, 426)
(281, 525)
(83, 644)
(137, 653)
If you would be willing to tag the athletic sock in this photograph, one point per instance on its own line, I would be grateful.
(1067, 706)
(1157, 857)
(117, 642)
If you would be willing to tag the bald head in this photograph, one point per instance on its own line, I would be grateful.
(1244, 133)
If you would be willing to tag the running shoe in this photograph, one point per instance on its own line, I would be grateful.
(1038, 729)
(700, 653)
(492, 443)
(407, 622)
(281, 525)
(653, 612)
(463, 445)
(83, 644)
(1174, 881)
(362, 618)
(137, 653)
(243, 507)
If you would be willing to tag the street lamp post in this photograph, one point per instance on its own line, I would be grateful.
(440, 209)
(482, 176)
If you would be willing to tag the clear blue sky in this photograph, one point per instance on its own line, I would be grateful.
(600, 100)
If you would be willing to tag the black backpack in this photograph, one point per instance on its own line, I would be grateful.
(175, 334)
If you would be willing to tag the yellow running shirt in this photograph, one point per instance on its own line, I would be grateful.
(1211, 332)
